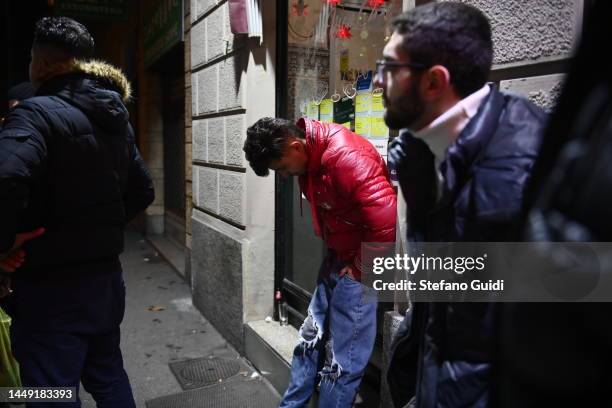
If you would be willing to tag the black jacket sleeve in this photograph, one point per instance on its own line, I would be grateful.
(139, 192)
(23, 156)
(414, 163)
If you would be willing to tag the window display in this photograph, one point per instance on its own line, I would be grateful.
(332, 49)
(333, 46)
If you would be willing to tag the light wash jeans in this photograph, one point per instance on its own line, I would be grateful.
(336, 340)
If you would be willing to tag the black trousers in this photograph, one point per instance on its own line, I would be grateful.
(65, 331)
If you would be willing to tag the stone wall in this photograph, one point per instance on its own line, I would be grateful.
(151, 131)
(188, 146)
(532, 41)
(232, 241)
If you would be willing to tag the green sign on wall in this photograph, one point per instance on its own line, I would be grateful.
(92, 9)
(163, 28)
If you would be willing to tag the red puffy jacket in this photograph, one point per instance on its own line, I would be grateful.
(348, 187)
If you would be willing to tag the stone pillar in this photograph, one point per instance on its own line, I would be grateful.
(150, 127)
(188, 148)
(155, 153)
(232, 85)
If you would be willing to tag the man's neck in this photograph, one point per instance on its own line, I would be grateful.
(434, 111)
(442, 131)
(58, 70)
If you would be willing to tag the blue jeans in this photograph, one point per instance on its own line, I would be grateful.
(335, 341)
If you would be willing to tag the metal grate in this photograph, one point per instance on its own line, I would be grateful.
(201, 372)
(232, 394)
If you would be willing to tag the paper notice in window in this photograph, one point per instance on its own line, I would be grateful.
(377, 103)
(313, 111)
(380, 145)
(362, 125)
(363, 102)
(378, 128)
(327, 107)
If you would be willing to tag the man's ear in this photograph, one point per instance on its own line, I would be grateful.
(296, 145)
(435, 82)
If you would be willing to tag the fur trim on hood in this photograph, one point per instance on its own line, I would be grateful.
(106, 73)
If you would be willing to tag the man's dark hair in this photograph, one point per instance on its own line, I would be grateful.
(455, 35)
(266, 140)
(65, 37)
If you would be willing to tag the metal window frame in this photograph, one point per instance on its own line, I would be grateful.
(296, 297)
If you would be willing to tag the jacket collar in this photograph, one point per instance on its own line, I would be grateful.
(105, 74)
(445, 129)
(54, 85)
(471, 142)
(317, 140)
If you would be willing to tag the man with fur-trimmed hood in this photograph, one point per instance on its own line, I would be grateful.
(71, 177)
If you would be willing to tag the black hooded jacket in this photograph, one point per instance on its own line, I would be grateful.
(69, 163)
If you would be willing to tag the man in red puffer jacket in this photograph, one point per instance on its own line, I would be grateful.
(347, 184)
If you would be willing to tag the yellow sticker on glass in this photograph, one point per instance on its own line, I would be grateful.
(326, 107)
(379, 128)
(363, 102)
(362, 125)
(313, 111)
(377, 103)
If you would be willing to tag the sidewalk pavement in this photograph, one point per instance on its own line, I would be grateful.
(160, 325)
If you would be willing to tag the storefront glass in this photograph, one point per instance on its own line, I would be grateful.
(332, 50)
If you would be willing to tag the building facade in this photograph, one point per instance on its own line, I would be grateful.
(235, 237)
(245, 238)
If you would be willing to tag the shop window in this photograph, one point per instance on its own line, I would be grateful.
(330, 56)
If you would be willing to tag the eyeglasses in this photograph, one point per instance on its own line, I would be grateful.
(383, 65)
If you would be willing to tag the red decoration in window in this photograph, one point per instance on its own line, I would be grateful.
(344, 31)
(376, 3)
(333, 2)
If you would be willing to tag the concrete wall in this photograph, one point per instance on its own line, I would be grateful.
(543, 90)
(532, 41)
(531, 30)
(150, 128)
(232, 233)
(155, 152)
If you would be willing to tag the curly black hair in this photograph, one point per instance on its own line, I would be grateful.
(64, 35)
(455, 35)
(266, 140)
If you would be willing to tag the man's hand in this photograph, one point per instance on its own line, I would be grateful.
(348, 269)
(15, 257)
